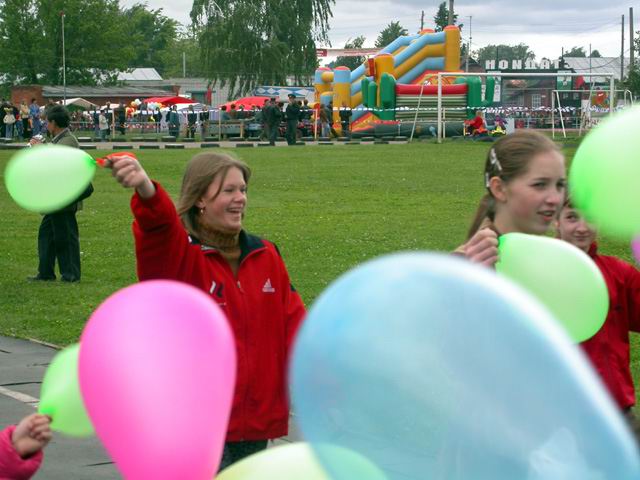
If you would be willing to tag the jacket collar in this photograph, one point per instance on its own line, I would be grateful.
(248, 244)
(593, 249)
(59, 137)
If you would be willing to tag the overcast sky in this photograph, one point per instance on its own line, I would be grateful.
(545, 25)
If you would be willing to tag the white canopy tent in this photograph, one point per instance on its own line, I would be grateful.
(78, 102)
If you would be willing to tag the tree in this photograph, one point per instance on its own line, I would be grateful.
(251, 42)
(442, 17)
(186, 43)
(19, 41)
(576, 52)
(96, 46)
(632, 82)
(351, 62)
(152, 34)
(595, 54)
(504, 52)
(390, 33)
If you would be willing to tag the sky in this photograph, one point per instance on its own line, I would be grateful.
(545, 25)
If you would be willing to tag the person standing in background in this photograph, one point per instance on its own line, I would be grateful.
(58, 236)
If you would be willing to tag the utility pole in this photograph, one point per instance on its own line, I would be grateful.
(64, 66)
(450, 12)
(466, 65)
(422, 21)
(622, 52)
(631, 52)
(590, 77)
(184, 65)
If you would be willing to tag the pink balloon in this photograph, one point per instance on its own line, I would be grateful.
(157, 374)
(635, 247)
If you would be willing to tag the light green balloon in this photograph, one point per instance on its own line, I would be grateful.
(604, 178)
(297, 461)
(562, 277)
(46, 178)
(60, 396)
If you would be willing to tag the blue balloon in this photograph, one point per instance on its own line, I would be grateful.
(434, 368)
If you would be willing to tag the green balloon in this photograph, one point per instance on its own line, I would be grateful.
(561, 276)
(604, 178)
(297, 461)
(60, 396)
(46, 178)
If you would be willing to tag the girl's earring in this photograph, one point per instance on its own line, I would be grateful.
(201, 210)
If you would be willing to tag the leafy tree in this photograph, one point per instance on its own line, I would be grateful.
(632, 82)
(152, 34)
(595, 54)
(250, 42)
(19, 41)
(576, 52)
(31, 41)
(187, 43)
(441, 19)
(390, 33)
(504, 52)
(351, 62)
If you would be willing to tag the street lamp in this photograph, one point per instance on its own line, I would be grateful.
(64, 65)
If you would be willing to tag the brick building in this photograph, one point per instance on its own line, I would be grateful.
(97, 95)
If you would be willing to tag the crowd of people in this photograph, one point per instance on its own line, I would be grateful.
(23, 121)
(274, 119)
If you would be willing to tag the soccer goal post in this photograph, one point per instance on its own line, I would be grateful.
(516, 75)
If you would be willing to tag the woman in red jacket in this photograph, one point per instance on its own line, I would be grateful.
(609, 348)
(21, 447)
(245, 275)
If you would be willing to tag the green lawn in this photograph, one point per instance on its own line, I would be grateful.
(327, 208)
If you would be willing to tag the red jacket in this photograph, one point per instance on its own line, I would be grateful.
(609, 348)
(262, 307)
(12, 466)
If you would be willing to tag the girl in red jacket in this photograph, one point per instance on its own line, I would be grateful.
(525, 179)
(608, 349)
(21, 447)
(202, 242)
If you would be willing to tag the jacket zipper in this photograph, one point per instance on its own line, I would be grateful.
(245, 334)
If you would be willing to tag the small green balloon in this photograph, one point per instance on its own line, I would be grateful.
(60, 396)
(297, 461)
(561, 276)
(604, 177)
(46, 178)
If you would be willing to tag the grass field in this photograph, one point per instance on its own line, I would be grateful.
(327, 208)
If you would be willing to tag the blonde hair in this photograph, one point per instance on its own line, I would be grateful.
(201, 170)
(508, 158)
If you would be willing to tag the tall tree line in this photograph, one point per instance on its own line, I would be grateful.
(101, 38)
(260, 42)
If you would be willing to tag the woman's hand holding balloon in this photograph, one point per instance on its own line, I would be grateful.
(483, 247)
(126, 169)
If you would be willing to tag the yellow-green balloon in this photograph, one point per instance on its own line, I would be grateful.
(297, 461)
(46, 178)
(562, 277)
(60, 396)
(604, 178)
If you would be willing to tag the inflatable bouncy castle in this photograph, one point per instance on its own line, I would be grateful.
(386, 90)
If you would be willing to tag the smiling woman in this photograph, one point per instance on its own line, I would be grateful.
(245, 276)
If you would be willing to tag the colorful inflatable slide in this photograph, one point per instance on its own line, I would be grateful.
(386, 90)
